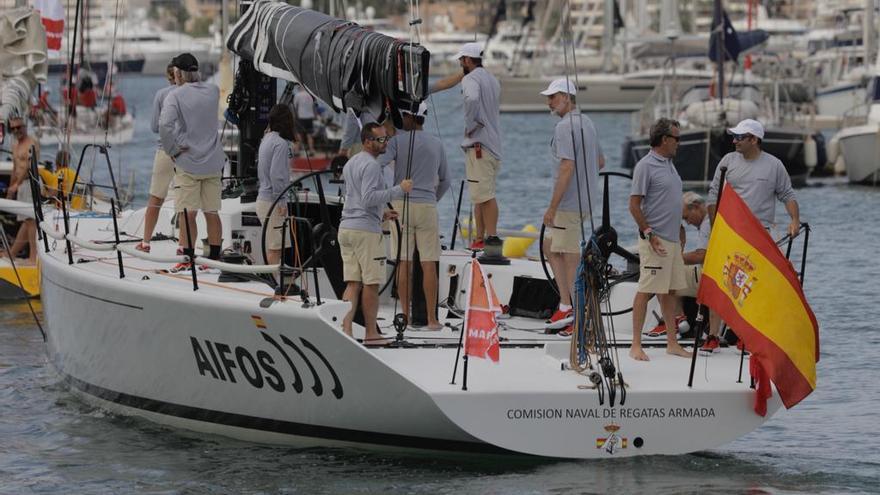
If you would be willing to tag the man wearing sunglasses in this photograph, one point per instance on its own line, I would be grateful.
(655, 205)
(361, 243)
(758, 177)
(20, 186)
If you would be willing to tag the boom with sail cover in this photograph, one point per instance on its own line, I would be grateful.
(340, 62)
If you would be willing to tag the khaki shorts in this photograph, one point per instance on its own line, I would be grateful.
(692, 279)
(25, 195)
(565, 235)
(196, 192)
(163, 172)
(481, 175)
(363, 256)
(273, 231)
(424, 232)
(660, 274)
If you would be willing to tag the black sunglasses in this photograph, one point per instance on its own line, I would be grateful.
(383, 139)
(15, 128)
(676, 138)
(740, 137)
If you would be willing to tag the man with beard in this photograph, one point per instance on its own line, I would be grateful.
(575, 147)
(20, 186)
(758, 177)
(655, 205)
(482, 141)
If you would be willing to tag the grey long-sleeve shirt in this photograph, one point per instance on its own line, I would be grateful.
(273, 166)
(365, 194)
(482, 94)
(189, 120)
(428, 168)
(158, 100)
(759, 182)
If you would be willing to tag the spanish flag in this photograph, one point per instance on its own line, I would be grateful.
(750, 284)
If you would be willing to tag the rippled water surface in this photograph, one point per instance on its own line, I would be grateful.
(51, 442)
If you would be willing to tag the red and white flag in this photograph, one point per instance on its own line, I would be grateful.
(52, 16)
(480, 326)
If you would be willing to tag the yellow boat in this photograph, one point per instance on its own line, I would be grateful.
(11, 288)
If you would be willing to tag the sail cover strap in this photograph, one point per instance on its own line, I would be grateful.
(340, 62)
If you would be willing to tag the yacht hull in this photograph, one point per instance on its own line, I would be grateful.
(861, 153)
(700, 150)
(219, 360)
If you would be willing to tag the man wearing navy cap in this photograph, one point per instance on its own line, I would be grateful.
(188, 130)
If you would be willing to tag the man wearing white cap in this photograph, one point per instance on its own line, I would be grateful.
(426, 167)
(482, 140)
(757, 176)
(575, 147)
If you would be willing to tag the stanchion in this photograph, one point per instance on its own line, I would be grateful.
(116, 235)
(190, 251)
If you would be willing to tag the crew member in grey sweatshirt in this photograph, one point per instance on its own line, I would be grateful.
(361, 243)
(482, 141)
(426, 166)
(188, 131)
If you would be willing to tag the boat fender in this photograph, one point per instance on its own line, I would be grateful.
(516, 247)
(833, 149)
(810, 153)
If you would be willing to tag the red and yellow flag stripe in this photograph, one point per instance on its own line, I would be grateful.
(751, 285)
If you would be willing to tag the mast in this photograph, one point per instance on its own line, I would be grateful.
(870, 35)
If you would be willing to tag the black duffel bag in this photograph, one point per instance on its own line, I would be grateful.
(533, 298)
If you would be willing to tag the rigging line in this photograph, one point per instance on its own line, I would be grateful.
(20, 283)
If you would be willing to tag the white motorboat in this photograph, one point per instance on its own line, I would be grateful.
(87, 129)
(860, 145)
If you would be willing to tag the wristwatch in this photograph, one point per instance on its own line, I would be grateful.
(646, 234)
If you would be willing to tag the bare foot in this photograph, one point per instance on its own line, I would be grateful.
(638, 354)
(376, 341)
(677, 350)
(434, 326)
(346, 327)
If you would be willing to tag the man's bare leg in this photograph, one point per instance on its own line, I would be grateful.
(189, 231)
(667, 308)
(478, 219)
(370, 303)
(429, 284)
(640, 307)
(351, 294)
(151, 217)
(31, 234)
(215, 228)
(403, 287)
(20, 240)
(490, 217)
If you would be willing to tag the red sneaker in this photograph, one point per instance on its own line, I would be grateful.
(660, 329)
(566, 333)
(559, 319)
(710, 345)
(477, 245)
(180, 267)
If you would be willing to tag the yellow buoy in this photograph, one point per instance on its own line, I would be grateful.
(516, 247)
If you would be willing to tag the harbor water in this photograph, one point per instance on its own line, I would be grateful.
(52, 442)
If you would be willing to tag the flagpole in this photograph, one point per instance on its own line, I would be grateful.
(702, 321)
(463, 329)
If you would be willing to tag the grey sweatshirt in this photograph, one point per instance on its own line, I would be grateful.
(429, 176)
(482, 94)
(759, 182)
(365, 194)
(273, 166)
(158, 100)
(189, 119)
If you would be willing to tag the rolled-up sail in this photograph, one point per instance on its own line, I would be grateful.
(340, 62)
(23, 59)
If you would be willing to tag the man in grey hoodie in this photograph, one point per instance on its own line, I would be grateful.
(360, 232)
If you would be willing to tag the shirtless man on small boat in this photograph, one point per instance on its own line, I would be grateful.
(20, 186)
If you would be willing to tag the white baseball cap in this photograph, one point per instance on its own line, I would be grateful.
(748, 126)
(421, 112)
(472, 50)
(561, 85)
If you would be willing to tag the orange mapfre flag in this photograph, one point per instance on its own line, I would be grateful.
(480, 327)
(750, 284)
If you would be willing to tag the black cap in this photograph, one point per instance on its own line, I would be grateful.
(185, 62)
